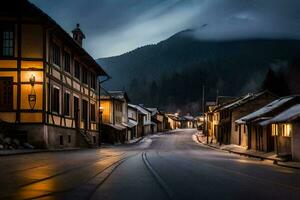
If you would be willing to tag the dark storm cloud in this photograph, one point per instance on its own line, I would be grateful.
(116, 26)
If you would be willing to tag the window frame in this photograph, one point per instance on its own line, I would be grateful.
(67, 104)
(67, 63)
(55, 105)
(84, 75)
(84, 110)
(93, 81)
(77, 71)
(7, 28)
(54, 58)
(93, 112)
(286, 130)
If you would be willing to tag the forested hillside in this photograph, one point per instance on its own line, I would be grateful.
(171, 73)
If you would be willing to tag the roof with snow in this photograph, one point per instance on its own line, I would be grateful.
(117, 94)
(189, 118)
(286, 116)
(266, 109)
(243, 100)
(141, 109)
(154, 111)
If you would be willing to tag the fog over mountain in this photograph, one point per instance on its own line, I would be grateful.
(169, 49)
(114, 27)
(171, 73)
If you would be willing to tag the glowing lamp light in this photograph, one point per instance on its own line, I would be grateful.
(32, 95)
(101, 109)
(32, 80)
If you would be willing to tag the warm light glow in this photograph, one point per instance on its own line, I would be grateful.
(274, 129)
(32, 79)
(286, 130)
(26, 76)
(101, 108)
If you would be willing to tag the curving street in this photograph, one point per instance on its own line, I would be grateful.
(163, 166)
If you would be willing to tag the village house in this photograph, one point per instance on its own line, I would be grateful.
(174, 121)
(159, 120)
(144, 120)
(212, 117)
(261, 136)
(286, 131)
(115, 117)
(229, 132)
(189, 121)
(133, 122)
(163, 121)
(48, 82)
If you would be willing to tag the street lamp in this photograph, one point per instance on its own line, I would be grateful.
(101, 109)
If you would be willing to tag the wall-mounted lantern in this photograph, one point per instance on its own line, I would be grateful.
(32, 95)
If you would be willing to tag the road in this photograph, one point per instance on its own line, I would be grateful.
(164, 166)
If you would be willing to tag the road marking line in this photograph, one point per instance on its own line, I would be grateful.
(160, 181)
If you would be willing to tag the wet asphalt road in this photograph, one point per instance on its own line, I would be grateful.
(167, 166)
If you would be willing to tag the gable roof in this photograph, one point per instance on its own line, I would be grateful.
(266, 109)
(29, 9)
(141, 109)
(154, 111)
(245, 99)
(285, 116)
(115, 94)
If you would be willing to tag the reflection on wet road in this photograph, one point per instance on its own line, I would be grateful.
(164, 166)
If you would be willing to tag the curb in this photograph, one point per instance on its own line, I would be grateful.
(275, 162)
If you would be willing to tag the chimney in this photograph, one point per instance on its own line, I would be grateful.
(78, 35)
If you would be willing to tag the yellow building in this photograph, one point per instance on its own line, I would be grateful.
(48, 82)
(115, 116)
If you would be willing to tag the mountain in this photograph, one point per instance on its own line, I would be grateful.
(171, 74)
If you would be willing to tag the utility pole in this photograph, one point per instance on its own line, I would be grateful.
(203, 111)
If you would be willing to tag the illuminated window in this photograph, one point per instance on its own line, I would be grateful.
(286, 130)
(274, 129)
(7, 42)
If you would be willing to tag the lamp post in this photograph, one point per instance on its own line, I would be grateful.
(100, 124)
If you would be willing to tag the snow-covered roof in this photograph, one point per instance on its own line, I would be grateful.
(115, 94)
(188, 117)
(239, 101)
(140, 109)
(242, 100)
(285, 116)
(153, 110)
(133, 122)
(265, 110)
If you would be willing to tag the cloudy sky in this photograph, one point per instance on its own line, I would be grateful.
(114, 27)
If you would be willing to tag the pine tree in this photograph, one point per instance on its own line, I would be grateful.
(275, 82)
